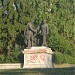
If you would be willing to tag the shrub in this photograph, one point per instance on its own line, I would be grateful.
(16, 56)
(2, 58)
(60, 58)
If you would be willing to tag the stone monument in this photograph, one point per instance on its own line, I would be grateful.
(39, 56)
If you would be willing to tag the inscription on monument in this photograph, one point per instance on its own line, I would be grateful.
(38, 57)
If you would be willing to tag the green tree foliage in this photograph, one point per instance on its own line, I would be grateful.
(15, 14)
(61, 58)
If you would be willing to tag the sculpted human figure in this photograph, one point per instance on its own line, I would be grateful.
(44, 32)
(29, 35)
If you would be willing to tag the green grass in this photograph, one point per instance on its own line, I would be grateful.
(51, 71)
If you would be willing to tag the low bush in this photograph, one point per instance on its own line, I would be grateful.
(60, 58)
(2, 58)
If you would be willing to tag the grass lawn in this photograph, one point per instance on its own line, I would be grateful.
(51, 71)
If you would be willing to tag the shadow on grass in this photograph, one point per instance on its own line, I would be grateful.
(42, 71)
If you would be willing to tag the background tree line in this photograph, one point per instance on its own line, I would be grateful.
(15, 14)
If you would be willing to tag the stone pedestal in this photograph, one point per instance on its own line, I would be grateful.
(38, 57)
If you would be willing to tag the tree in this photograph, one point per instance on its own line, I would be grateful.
(15, 14)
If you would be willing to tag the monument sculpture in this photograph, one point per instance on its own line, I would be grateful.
(29, 34)
(41, 33)
(39, 56)
(44, 32)
(43, 29)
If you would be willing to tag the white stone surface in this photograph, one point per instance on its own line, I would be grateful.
(38, 57)
(10, 66)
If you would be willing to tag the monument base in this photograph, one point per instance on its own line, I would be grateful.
(38, 57)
